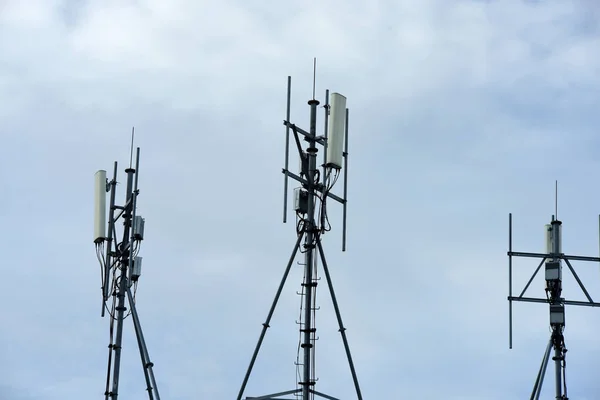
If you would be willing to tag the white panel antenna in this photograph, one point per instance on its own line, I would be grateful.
(336, 131)
(136, 270)
(100, 207)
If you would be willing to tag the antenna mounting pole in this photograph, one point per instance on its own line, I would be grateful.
(314, 76)
(556, 199)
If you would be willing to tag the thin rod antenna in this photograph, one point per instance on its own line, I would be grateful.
(510, 318)
(556, 199)
(287, 148)
(314, 76)
(326, 106)
(131, 152)
(345, 181)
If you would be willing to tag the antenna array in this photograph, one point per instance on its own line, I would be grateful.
(552, 261)
(121, 269)
(310, 197)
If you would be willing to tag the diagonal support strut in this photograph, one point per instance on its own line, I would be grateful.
(342, 330)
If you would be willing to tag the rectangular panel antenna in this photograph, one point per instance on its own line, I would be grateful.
(136, 269)
(100, 207)
(336, 131)
(138, 228)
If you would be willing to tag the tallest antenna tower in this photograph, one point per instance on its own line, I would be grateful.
(310, 204)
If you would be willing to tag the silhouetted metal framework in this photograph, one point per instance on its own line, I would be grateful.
(552, 261)
(309, 231)
(121, 269)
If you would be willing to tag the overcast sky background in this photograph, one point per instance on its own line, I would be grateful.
(460, 112)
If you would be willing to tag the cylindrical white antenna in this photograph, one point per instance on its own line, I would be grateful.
(100, 207)
(336, 131)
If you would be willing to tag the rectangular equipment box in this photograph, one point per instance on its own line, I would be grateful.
(553, 271)
(300, 200)
(136, 268)
(557, 314)
(138, 227)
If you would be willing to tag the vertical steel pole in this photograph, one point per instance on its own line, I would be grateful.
(510, 319)
(123, 282)
(309, 246)
(555, 299)
(345, 181)
(287, 148)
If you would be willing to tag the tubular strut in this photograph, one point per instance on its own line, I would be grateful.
(151, 386)
(270, 315)
(342, 330)
(557, 342)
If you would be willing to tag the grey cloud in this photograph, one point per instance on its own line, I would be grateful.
(457, 111)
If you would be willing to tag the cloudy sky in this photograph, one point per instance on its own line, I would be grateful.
(461, 111)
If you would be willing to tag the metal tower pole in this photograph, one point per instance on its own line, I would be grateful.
(123, 282)
(309, 246)
(558, 370)
(555, 293)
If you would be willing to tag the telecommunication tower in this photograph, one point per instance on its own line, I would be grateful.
(552, 261)
(121, 268)
(310, 201)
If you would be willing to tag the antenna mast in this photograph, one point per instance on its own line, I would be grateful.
(310, 202)
(552, 260)
(121, 268)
